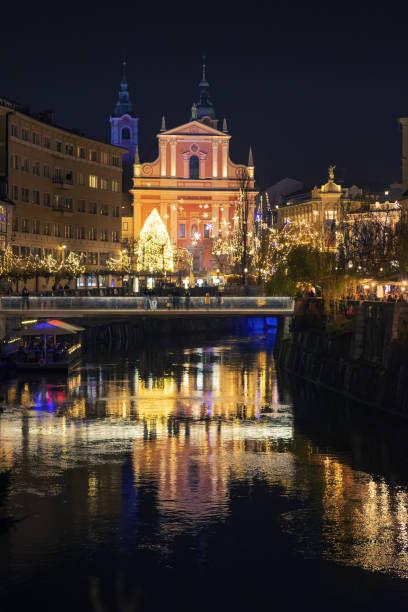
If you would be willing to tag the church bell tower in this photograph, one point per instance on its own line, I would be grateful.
(124, 123)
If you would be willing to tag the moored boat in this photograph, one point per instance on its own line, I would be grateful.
(49, 345)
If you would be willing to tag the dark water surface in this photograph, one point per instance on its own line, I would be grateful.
(193, 478)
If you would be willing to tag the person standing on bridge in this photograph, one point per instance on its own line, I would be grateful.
(26, 298)
(187, 299)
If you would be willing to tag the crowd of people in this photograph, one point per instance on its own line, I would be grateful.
(32, 351)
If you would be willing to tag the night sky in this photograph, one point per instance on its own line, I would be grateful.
(307, 87)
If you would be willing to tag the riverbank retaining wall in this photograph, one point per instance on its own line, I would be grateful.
(366, 360)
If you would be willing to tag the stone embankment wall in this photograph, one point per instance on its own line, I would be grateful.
(367, 361)
(134, 332)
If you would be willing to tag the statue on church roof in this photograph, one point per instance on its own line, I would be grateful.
(331, 172)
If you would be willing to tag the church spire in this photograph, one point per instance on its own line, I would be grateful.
(205, 107)
(250, 158)
(163, 124)
(224, 126)
(123, 105)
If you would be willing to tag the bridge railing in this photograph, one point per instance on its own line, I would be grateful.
(142, 303)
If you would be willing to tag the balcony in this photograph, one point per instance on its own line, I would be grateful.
(63, 182)
(63, 209)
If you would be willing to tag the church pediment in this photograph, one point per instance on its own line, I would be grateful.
(193, 127)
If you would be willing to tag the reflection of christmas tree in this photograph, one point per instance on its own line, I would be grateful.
(155, 253)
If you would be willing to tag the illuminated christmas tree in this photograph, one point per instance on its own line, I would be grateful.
(154, 253)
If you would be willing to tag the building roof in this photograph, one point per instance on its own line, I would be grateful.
(46, 118)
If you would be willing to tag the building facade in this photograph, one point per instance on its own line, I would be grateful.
(64, 190)
(193, 184)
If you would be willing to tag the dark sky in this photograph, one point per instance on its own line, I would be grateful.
(309, 86)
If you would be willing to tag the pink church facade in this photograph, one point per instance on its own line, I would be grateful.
(194, 186)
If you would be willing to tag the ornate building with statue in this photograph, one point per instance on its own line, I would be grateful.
(192, 187)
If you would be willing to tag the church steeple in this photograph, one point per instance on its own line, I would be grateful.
(123, 105)
(124, 124)
(204, 109)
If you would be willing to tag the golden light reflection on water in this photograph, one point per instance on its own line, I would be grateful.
(191, 427)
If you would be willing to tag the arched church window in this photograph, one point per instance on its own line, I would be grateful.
(194, 230)
(125, 133)
(194, 167)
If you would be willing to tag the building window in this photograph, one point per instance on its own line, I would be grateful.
(115, 186)
(15, 250)
(194, 231)
(69, 149)
(104, 157)
(93, 181)
(103, 258)
(115, 211)
(81, 179)
(81, 205)
(92, 233)
(58, 146)
(36, 251)
(115, 160)
(25, 196)
(92, 259)
(104, 235)
(194, 167)
(14, 130)
(25, 166)
(104, 184)
(14, 193)
(36, 138)
(182, 230)
(25, 251)
(125, 133)
(47, 142)
(92, 208)
(47, 229)
(14, 162)
(36, 197)
(206, 232)
(36, 168)
(81, 152)
(93, 156)
(57, 230)
(69, 205)
(25, 134)
(57, 201)
(115, 236)
(47, 171)
(104, 210)
(67, 230)
(125, 226)
(36, 226)
(57, 175)
(24, 225)
(80, 233)
(15, 224)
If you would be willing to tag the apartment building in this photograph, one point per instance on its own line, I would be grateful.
(63, 190)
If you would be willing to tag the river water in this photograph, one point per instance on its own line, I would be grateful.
(192, 476)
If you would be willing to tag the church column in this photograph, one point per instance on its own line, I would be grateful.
(203, 157)
(163, 147)
(225, 158)
(215, 158)
(173, 224)
(173, 145)
(137, 219)
(186, 159)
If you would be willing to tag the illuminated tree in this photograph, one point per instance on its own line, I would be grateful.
(155, 253)
(10, 265)
(72, 266)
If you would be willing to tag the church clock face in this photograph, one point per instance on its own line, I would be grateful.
(147, 169)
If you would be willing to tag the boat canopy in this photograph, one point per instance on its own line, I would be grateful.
(66, 325)
(46, 328)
